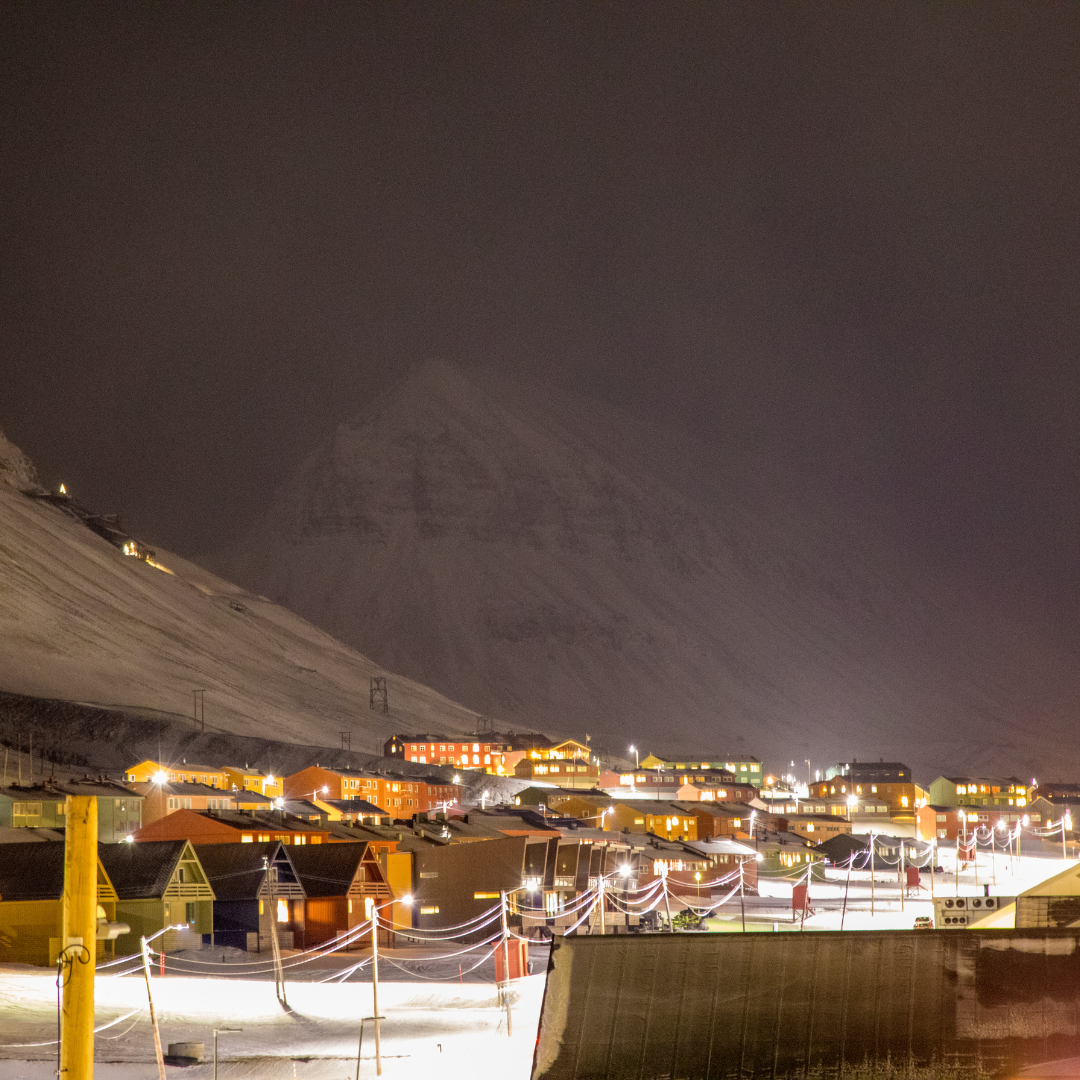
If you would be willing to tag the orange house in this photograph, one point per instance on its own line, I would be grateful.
(231, 827)
(401, 796)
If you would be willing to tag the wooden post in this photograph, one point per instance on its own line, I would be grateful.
(506, 957)
(79, 934)
(375, 988)
(153, 1015)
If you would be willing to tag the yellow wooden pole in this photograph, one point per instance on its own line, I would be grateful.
(79, 938)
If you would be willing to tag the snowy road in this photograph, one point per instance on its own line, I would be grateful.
(457, 1028)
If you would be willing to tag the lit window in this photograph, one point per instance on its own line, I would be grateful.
(283, 911)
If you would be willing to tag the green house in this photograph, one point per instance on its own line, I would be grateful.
(42, 806)
(160, 884)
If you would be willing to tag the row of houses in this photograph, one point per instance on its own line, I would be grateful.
(239, 877)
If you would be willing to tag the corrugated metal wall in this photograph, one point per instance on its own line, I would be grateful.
(956, 1003)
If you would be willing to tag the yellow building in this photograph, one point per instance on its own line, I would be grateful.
(254, 780)
(32, 901)
(569, 764)
(148, 772)
(662, 819)
(745, 770)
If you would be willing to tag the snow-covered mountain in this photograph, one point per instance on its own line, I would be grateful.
(82, 621)
(553, 564)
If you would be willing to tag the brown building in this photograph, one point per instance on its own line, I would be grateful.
(716, 821)
(817, 827)
(341, 883)
(890, 781)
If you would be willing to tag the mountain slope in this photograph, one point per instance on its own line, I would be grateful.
(552, 564)
(81, 621)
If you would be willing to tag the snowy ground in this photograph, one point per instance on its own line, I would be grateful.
(882, 907)
(435, 1017)
(458, 1028)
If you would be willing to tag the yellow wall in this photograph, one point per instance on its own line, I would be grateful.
(399, 866)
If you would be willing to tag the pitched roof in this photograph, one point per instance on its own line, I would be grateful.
(32, 871)
(236, 871)
(141, 871)
(327, 869)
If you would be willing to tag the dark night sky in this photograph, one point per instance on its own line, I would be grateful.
(844, 233)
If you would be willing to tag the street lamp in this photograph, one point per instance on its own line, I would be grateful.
(634, 751)
(852, 805)
(216, 1030)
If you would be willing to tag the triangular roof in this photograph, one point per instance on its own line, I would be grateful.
(144, 871)
(237, 871)
(36, 872)
(327, 869)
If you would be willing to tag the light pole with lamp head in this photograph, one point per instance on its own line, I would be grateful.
(216, 1030)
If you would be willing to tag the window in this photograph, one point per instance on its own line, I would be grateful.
(430, 909)
(283, 911)
(262, 908)
(486, 896)
(189, 913)
(174, 804)
(246, 838)
(943, 817)
(942, 833)
(26, 809)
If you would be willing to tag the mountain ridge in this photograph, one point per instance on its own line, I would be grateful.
(556, 564)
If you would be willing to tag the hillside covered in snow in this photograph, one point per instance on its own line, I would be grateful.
(556, 565)
(81, 621)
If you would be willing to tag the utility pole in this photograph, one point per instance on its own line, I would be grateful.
(506, 961)
(79, 933)
(667, 902)
(375, 988)
(600, 900)
(153, 1015)
(872, 846)
(903, 875)
(379, 696)
(742, 896)
(275, 945)
(847, 886)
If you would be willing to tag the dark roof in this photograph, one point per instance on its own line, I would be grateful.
(141, 871)
(177, 787)
(29, 835)
(355, 806)
(327, 869)
(838, 849)
(32, 871)
(236, 871)
(256, 820)
(59, 790)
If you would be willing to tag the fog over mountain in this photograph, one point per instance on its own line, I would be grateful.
(554, 564)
